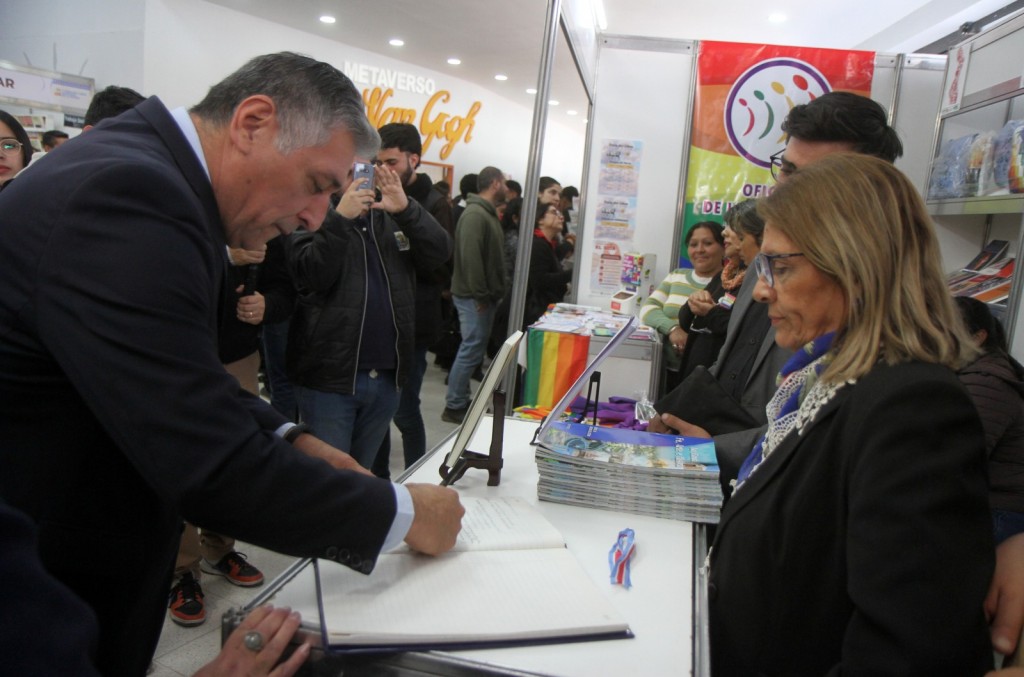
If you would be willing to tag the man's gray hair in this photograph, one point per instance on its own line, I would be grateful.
(313, 99)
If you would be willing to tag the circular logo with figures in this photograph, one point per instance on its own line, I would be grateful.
(760, 100)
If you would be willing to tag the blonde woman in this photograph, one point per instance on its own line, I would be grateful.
(858, 539)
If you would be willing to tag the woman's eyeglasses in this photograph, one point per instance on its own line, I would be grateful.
(10, 145)
(764, 264)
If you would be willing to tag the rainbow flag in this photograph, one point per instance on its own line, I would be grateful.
(554, 360)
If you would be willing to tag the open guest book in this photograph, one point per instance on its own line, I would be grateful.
(509, 580)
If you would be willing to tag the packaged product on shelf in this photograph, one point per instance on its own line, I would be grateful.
(1002, 149)
(949, 171)
(1016, 172)
(979, 166)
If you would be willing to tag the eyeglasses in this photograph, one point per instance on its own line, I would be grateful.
(10, 145)
(764, 264)
(781, 167)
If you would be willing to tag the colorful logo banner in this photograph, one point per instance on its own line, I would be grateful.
(742, 97)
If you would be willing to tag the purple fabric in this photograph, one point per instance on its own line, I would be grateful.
(621, 410)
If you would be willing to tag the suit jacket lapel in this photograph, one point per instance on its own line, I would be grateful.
(777, 460)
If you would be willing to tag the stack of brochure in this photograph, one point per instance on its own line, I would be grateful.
(630, 471)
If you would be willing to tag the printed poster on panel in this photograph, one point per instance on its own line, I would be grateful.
(743, 95)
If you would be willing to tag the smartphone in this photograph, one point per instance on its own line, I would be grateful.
(363, 171)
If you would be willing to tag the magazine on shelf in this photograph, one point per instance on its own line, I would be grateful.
(992, 252)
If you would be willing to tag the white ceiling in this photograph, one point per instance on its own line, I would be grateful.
(506, 37)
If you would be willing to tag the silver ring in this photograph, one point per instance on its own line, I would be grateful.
(253, 641)
(250, 315)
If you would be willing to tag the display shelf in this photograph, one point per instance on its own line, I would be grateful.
(982, 92)
(985, 204)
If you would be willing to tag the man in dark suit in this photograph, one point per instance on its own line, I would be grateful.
(116, 416)
(750, 359)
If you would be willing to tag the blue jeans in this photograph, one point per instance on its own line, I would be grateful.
(1006, 524)
(275, 343)
(408, 420)
(353, 423)
(475, 327)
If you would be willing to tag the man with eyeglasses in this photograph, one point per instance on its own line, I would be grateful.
(750, 359)
(834, 122)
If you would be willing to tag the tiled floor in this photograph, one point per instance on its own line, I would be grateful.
(182, 651)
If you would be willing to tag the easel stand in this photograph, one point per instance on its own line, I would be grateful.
(491, 462)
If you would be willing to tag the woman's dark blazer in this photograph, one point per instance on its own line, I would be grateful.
(862, 545)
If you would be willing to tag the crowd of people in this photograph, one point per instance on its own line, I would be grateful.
(869, 428)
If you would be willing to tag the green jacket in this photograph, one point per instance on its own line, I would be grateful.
(479, 253)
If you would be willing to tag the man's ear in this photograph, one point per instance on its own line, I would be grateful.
(414, 160)
(254, 120)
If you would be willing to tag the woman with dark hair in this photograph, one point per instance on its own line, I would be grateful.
(995, 382)
(705, 247)
(547, 281)
(705, 317)
(15, 147)
(549, 191)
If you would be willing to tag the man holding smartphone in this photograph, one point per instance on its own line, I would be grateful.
(351, 339)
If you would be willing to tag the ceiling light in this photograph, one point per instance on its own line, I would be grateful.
(327, 19)
(500, 78)
(396, 42)
(570, 112)
(776, 18)
(531, 90)
(455, 62)
(552, 102)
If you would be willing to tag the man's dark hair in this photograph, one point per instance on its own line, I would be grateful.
(486, 177)
(312, 98)
(569, 192)
(401, 135)
(111, 102)
(467, 185)
(514, 187)
(21, 135)
(845, 117)
(50, 138)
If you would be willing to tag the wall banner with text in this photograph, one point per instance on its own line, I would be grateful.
(743, 94)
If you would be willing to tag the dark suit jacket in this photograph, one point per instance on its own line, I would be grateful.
(116, 417)
(46, 629)
(863, 545)
(733, 448)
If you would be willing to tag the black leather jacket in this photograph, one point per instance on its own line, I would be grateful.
(329, 270)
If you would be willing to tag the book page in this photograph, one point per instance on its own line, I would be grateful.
(463, 597)
(501, 523)
(508, 523)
